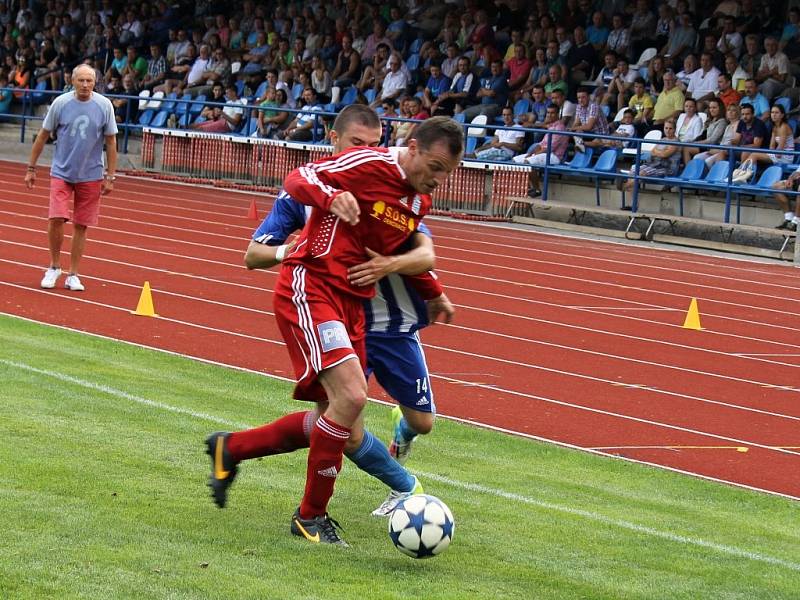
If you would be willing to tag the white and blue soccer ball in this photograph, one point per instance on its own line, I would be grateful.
(421, 526)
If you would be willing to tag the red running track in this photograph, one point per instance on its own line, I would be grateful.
(568, 340)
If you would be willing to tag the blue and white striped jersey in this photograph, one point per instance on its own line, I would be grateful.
(395, 309)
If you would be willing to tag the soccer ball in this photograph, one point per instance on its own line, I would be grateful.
(421, 526)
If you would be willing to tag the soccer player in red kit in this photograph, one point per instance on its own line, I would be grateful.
(365, 200)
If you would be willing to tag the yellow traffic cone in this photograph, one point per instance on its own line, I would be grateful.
(145, 306)
(692, 317)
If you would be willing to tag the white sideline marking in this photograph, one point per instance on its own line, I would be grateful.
(672, 537)
(593, 516)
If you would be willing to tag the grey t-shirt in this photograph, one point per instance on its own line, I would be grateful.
(81, 127)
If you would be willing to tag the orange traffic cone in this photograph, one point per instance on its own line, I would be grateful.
(252, 213)
(145, 306)
(692, 320)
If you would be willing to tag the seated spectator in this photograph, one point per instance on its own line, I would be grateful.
(398, 31)
(664, 160)
(782, 138)
(375, 39)
(492, 95)
(621, 86)
(737, 74)
(539, 104)
(730, 40)
(156, 69)
(604, 77)
(395, 81)
(758, 101)
(461, 93)
(450, 62)
(681, 40)
(195, 75)
(773, 70)
(437, 84)
(712, 156)
(20, 77)
(751, 132)
(255, 56)
(135, 66)
(655, 75)
(685, 77)
(597, 33)
(669, 103)
(519, 67)
(726, 92)
(177, 74)
(126, 109)
(750, 60)
(581, 57)
(537, 155)
(712, 131)
(348, 64)
(665, 23)
(642, 105)
(5, 96)
(321, 79)
(373, 74)
(505, 144)
(566, 109)
(620, 36)
(538, 74)
(131, 29)
(224, 119)
(689, 125)
(401, 130)
(117, 63)
(307, 125)
(271, 120)
(625, 129)
(589, 118)
(704, 82)
(643, 27)
(710, 48)
(790, 217)
(555, 80)
(218, 96)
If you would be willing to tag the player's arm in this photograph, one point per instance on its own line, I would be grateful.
(36, 151)
(268, 246)
(111, 166)
(305, 186)
(419, 259)
(261, 256)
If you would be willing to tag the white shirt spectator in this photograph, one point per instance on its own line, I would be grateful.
(688, 131)
(197, 70)
(395, 81)
(780, 61)
(233, 108)
(734, 43)
(702, 83)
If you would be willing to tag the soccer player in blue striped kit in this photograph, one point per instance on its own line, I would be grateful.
(400, 308)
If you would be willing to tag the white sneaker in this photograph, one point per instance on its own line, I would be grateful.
(73, 283)
(394, 498)
(579, 145)
(50, 278)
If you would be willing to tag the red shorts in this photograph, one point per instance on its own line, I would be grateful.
(87, 200)
(321, 329)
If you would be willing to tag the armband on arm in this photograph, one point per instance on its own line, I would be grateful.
(426, 285)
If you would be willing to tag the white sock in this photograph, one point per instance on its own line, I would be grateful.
(788, 216)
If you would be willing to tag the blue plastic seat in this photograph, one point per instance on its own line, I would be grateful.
(160, 120)
(370, 95)
(415, 46)
(522, 105)
(604, 168)
(196, 106)
(146, 117)
(297, 90)
(784, 102)
(762, 187)
(170, 101)
(349, 96)
(412, 63)
(182, 107)
(691, 172)
(38, 96)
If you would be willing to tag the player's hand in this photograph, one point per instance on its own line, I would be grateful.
(368, 273)
(440, 309)
(345, 206)
(30, 179)
(108, 187)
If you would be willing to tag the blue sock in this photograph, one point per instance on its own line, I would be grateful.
(405, 431)
(372, 457)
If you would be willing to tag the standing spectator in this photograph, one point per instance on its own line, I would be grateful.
(492, 95)
(773, 70)
(83, 121)
(726, 93)
(589, 118)
(437, 84)
(713, 129)
(307, 125)
(755, 99)
(461, 93)
(782, 138)
(505, 144)
(669, 103)
(704, 82)
(537, 156)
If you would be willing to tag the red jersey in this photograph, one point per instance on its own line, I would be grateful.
(390, 212)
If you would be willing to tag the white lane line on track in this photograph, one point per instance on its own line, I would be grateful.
(467, 486)
(569, 374)
(450, 379)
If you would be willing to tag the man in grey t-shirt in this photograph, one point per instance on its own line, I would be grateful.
(84, 122)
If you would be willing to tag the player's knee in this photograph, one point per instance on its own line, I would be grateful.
(420, 422)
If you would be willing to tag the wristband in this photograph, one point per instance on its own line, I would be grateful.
(281, 252)
(31, 169)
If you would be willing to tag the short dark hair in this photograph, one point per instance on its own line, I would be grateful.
(355, 114)
(748, 106)
(440, 129)
(639, 80)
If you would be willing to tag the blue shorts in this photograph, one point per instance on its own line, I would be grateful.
(399, 366)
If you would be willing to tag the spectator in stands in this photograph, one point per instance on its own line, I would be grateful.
(256, 55)
(20, 77)
(461, 93)
(492, 95)
(712, 156)
(756, 99)
(218, 96)
(641, 103)
(589, 118)
(395, 81)
(625, 129)
(621, 86)
(505, 144)
(730, 40)
(704, 82)
(218, 68)
(307, 125)
(348, 66)
(566, 109)
(712, 131)
(555, 81)
(194, 75)
(401, 130)
(781, 138)
(437, 84)
(736, 73)
(710, 48)
(377, 37)
(581, 57)
(177, 74)
(773, 70)
(681, 40)
(5, 96)
(684, 77)
(125, 109)
(539, 105)
(689, 125)
(131, 29)
(664, 25)
(664, 160)
(564, 45)
(321, 79)
(537, 155)
(538, 74)
(655, 75)
(450, 63)
(224, 119)
(751, 132)
(135, 66)
(604, 77)
(790, 217)
(597, 32)
(642, 29)
(669, 103)
(398, 29)
(271, 120)
(118, 63)
(519, 67)
(374, 73)
(619, 38)
(156, 69)
(750, 61)
(726, 92)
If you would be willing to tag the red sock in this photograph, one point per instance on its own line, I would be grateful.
(287, 434)
(324, 463)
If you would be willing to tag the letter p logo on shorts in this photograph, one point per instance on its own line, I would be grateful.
(333, 335)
